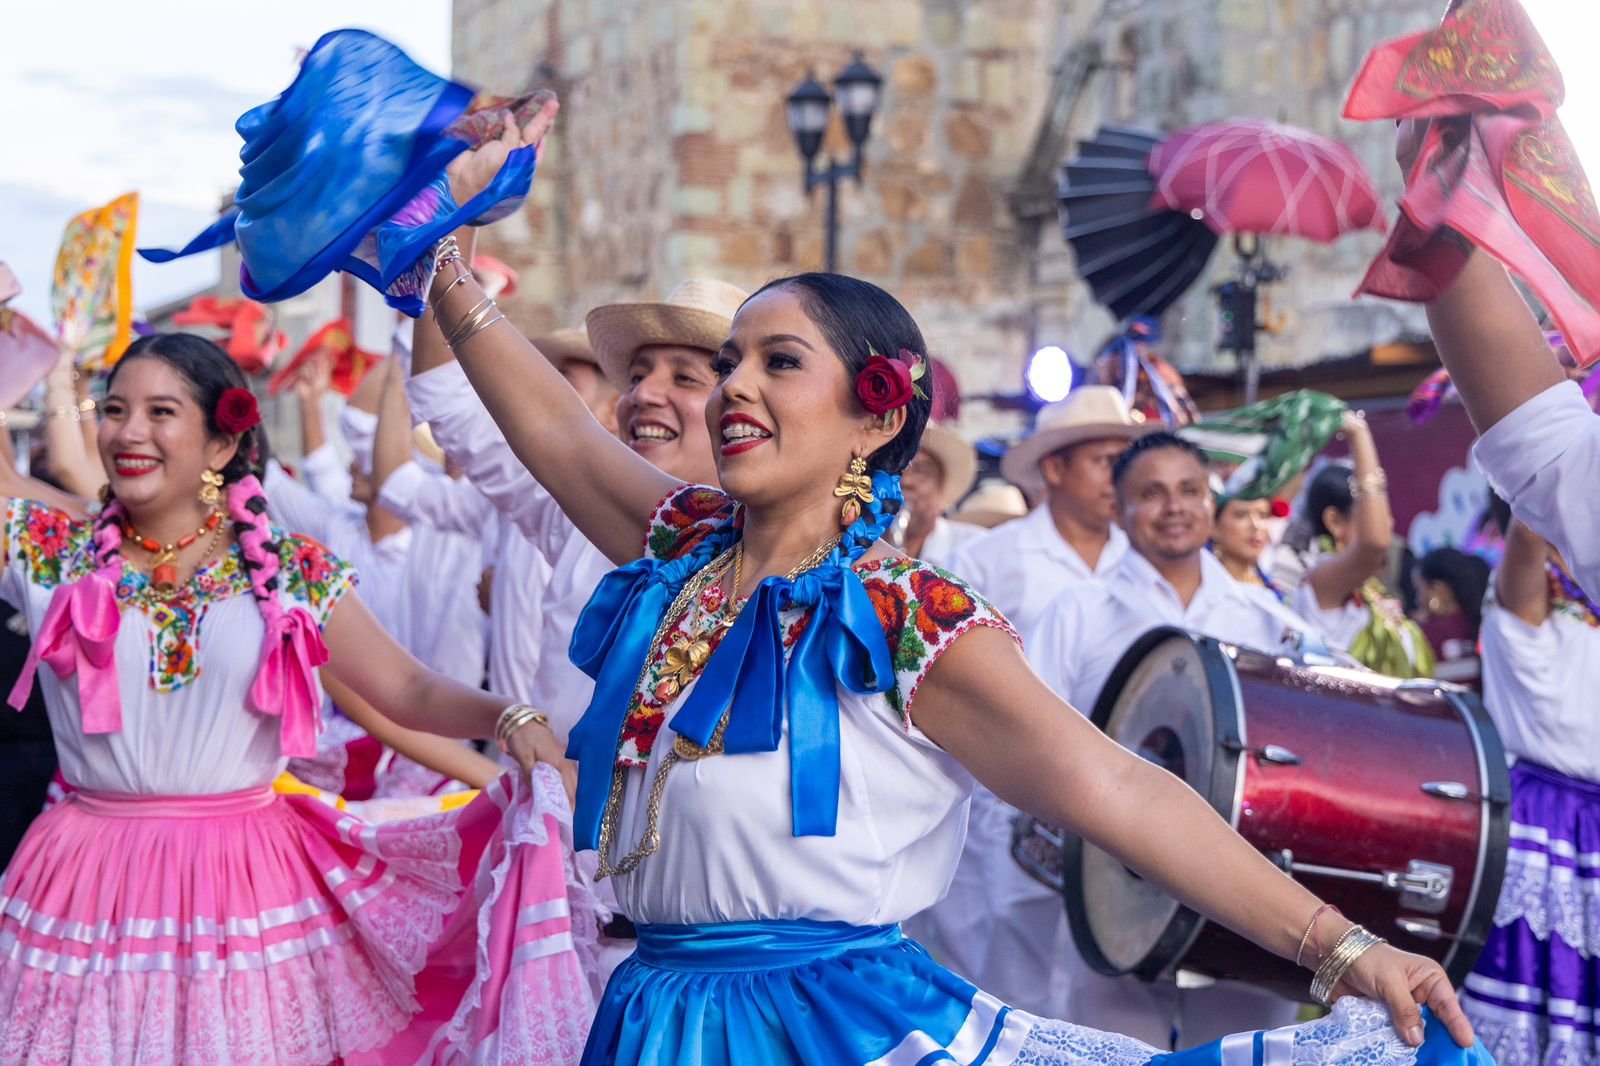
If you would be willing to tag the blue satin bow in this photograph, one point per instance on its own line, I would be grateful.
(748, 677)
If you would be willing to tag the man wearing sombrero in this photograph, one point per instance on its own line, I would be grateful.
(991, 917)
(655, 359)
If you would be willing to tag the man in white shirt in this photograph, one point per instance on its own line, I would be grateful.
(1167, 578)
(658, 357)
(983, 928)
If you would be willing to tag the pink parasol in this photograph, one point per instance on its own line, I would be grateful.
(1252, 176)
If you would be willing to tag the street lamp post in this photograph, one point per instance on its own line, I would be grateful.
(857, 90)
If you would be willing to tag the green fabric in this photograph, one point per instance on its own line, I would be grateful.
(1273, 440)
(1381, 646)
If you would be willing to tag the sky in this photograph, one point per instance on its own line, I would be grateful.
(108, 96)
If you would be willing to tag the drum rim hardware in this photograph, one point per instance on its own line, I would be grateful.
(1424, 887)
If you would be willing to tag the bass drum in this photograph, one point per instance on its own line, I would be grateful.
(1389, 799)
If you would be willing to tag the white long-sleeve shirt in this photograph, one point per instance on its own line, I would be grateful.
(1022, 565)
(446, 627)
(461, 425)
(1544, 458)
(297, 508)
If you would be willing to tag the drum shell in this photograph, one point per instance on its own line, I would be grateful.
(1325, 768)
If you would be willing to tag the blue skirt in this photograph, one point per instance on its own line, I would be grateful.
(775, 993)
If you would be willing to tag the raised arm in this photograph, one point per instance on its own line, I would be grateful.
(607, 490)
(983, 705)
(1372, 523)
(1521, 585)
(391, 445)
(73, 459)
(1489, 341)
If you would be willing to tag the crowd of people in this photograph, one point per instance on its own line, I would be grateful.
(360, 757)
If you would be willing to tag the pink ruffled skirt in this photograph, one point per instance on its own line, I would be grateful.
(251, 927)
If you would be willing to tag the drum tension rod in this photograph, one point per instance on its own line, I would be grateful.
(1269, 753)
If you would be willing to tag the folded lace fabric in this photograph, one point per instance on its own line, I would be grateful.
(1495, 165)
(346, 171)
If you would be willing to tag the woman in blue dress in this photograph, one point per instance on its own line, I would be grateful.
(789, 717)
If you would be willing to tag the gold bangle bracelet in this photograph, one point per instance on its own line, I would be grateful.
(473, 322)
(480, 329)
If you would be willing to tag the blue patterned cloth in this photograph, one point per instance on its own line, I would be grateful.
(345, 171)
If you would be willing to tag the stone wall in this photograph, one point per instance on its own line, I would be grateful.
(673, 158)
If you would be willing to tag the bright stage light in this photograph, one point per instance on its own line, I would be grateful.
(1051, 374)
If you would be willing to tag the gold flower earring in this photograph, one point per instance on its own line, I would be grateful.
(210, 488)
(855, 488)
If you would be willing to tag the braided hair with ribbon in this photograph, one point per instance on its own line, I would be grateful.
(80, 626)
(749, 681)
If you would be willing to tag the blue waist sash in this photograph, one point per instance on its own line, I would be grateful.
(793, 992)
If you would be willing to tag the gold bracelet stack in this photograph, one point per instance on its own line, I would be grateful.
(1351, 946)
(514, 718)
(483, 315)
(1373, 484)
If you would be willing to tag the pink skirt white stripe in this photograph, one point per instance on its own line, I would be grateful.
(252, 927)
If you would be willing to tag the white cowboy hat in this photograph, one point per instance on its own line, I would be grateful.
(994, 502)
(957, 458)
(1090, 412)
(566, 344)
(697, 314)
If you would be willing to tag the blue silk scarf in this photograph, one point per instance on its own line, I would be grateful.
(345, 171)
(749, 679)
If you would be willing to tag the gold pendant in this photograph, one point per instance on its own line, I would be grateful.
(689, 751)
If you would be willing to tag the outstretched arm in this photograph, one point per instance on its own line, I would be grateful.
(448, 757)
(364, 657)
(607, 490)
(983, 705)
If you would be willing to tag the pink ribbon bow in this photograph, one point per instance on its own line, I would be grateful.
(286, 681)
(79, 636)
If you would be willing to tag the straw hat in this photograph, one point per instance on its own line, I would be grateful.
(1090, 412)
(697, 314)
(958, 459)
(566, 344)
(994, 502)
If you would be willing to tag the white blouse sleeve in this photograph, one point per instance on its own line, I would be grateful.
(1544, 458)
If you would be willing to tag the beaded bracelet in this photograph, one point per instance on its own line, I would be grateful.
(1310, 928)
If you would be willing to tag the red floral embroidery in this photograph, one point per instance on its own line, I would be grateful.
(944, 604)
(890, 602)
(49, 531)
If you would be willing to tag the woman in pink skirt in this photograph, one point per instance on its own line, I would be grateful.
(176, 910)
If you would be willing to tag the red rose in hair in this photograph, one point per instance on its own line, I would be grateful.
(237, 411)
(884, 385)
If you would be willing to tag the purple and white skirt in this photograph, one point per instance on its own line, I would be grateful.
(1534, 995)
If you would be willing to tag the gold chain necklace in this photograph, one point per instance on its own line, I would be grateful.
(683, 749)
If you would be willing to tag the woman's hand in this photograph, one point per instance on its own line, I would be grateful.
(1353, 424)
(471, 172)
(535, 743)
(315, 379)
(1403, 981)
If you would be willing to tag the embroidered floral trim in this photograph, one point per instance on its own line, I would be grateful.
(685, 517)
(56, 550)
(923, 610)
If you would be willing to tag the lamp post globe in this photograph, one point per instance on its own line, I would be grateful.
(858, 89)
(807, 110)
